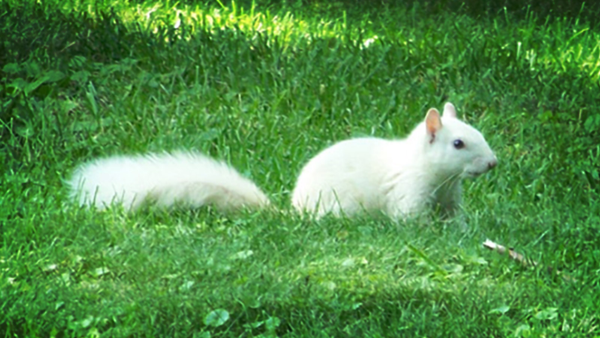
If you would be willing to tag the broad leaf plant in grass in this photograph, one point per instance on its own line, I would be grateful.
(264, 86)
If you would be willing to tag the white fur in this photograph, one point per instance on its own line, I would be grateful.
(398, 177)
(184, 177)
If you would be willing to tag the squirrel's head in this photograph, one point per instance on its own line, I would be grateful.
(454, 147)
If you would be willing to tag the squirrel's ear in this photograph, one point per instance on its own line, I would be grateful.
(449, 110)
(433, 122)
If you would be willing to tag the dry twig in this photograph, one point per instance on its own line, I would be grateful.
(511, 252)
(520, 258)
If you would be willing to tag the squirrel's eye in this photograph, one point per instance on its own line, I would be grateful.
(459, 144)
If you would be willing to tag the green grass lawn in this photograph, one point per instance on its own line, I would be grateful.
(265, 86)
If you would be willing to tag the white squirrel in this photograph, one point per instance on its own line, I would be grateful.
(400, 178)
(397, 177)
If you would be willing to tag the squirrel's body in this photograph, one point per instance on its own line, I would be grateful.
(368, 174)
(397, 177)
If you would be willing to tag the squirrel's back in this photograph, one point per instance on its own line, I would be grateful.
(190, 178)
(345, 178)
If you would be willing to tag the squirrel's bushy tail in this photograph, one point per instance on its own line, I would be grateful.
(189, 178)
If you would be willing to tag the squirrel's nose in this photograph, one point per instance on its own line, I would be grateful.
(492, 163)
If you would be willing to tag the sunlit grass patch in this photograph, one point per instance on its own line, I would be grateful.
(288, 26)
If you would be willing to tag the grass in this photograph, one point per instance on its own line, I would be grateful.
(265, 86)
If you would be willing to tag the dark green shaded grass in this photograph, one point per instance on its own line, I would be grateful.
(77, 85)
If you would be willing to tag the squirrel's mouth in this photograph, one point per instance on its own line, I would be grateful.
(472, 173)
(477, 170)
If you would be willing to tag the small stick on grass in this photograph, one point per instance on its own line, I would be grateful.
(511, 252)
(520, 258)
